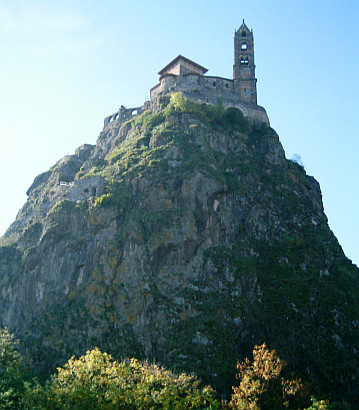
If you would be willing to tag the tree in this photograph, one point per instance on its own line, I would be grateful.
(12, 372)
(96, 381)
(262, 387)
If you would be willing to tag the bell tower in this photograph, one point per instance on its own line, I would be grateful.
(244, 68)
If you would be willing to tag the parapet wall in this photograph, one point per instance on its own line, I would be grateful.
(205, 87)
(124, 114)
(208, 90)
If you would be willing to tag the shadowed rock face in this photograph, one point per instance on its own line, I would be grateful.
(186, 237)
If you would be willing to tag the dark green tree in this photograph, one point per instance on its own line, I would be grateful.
(12, 372)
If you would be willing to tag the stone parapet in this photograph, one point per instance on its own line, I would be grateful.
(124, 114)
(194, 83)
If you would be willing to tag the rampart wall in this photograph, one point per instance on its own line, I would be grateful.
(210, 87)
(124, 114)
(208, 90)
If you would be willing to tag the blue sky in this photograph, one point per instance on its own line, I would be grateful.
(65, 65)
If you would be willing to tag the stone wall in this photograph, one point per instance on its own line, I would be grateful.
(124, 114)
(210, 87)
(208, 90)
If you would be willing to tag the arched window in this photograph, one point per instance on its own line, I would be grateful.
(244, 34)
(244, 46)
(244, 60)
(214, 83)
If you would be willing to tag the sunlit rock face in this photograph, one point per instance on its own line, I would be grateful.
(185, 236)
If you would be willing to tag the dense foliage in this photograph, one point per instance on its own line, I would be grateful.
(13, 374)
(96, 381)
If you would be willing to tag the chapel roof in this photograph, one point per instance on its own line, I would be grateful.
(198, 69)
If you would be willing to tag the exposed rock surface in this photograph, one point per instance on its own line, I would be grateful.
(188, 237)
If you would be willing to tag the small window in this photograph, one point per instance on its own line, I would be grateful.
(244, 46)
(134, 112)
(244, 61)
(214, 84)
(226, 85)
(244, 34)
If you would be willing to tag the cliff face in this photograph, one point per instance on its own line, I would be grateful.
(185, 236)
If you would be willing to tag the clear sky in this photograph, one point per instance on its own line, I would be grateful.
(65, 65)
